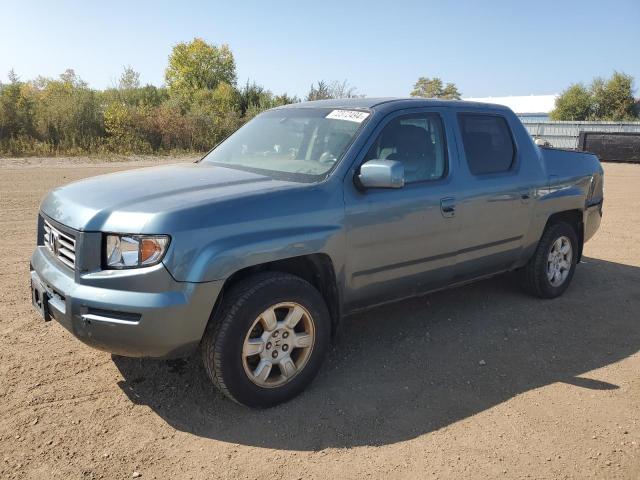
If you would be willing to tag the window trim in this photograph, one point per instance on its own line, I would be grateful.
(398, 115)
(514, 157)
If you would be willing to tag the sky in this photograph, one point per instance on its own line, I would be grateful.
(488, 48)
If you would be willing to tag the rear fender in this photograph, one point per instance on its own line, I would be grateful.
(558, 197)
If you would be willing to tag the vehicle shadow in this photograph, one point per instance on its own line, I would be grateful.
(407, 369)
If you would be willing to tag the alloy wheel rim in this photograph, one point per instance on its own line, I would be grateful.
(559, 261)
(278, 345)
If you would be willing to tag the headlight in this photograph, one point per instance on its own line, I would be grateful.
(131, 251)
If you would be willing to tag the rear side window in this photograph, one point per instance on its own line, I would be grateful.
(488, 144)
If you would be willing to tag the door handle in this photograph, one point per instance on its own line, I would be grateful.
(448, 207)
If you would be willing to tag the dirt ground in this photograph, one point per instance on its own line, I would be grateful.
(477, 382)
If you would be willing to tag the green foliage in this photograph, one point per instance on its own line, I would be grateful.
(283, 99)
(148, 95)
(254, 99)
(49, 116)
(575, 103)
(68, 113)
(198, 65)
(214, 115)
(610, 99)
(434, 88)
(613, 98)
(16, 109)
(200, 107)
(125, 129)
(17, 116)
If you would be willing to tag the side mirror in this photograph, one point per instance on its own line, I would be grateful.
(381, 174)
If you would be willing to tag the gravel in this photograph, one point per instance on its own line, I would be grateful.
(564, 387)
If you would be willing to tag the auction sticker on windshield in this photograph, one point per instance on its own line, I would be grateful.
(349, 115)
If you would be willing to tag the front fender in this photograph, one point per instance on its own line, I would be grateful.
(220, 258)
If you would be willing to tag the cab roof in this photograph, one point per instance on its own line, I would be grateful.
(391, 103)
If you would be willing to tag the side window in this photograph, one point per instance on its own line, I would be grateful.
(488, 144)
(418, 142)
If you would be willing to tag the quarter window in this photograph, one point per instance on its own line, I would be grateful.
(488, 145)
(417, 141)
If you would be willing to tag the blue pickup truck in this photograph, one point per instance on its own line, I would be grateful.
(308, 213)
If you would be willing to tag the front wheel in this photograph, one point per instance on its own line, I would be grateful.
(550, 270)
(268, 339)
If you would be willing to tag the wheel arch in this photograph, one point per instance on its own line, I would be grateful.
(575, 219)
(317, 269)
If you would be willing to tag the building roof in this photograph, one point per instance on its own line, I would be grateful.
(522, 104)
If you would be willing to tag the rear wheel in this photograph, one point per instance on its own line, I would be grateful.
(550, 270)
(268, 339)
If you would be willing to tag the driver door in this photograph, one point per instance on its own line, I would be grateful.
(400, 242)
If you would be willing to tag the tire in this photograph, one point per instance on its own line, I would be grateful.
(255, 312)
(535, 276)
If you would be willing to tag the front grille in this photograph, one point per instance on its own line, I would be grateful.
(60, 244)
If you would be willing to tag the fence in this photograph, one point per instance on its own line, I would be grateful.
(566, 134)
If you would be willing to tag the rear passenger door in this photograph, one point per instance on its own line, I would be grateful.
(495, 207)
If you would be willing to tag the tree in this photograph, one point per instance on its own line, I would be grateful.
(321, 92)
(199, 107)
(129, 92)
(13, 76)
(342, 89)
(284, 99)
(253, 97)
(610, 99)
(69, 77)
(129, 79)
(433, 88)
(575, 103)
(68, 113)
(335, 89)
(123, 125)
(451, 92)
(17, 104)
(613, 99)
(198, 65)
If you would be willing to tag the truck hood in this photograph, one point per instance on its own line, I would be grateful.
(129, 201)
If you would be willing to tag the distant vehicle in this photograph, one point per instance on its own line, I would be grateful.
(308, 213)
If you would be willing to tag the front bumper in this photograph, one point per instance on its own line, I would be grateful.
(137, 313)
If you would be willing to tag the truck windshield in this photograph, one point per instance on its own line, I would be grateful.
(302, 143)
